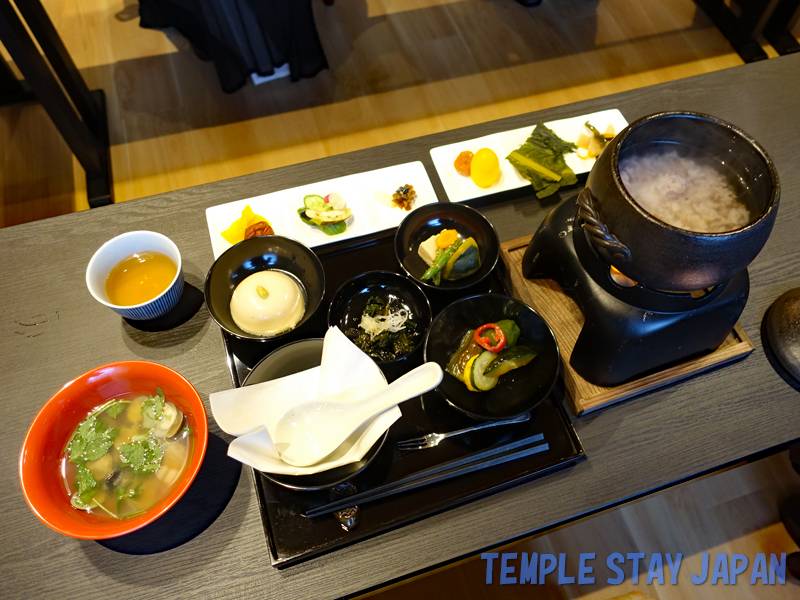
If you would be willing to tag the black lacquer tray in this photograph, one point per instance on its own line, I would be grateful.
(292, 537)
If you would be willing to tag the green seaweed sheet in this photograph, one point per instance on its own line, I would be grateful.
(540, 160)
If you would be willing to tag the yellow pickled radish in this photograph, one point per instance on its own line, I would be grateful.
(468, 374)
(485, 168)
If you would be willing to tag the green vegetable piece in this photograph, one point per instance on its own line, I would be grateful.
(480, 379)
(114, 410)
(404, 340)
(314, 202)
(122, 493)
(376, 307)
(86, 485)
(597, 135)
(153, 409)
(92, 439)
(439, 263)
(510, 359)
(467, 348)
(510, 330)
(143, 455)
(262, 291)
(527, 163)
(333, 229)
(540, 160)
(302, 214)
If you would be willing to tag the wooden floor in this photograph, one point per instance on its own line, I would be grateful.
(400, 69)
(732, 512)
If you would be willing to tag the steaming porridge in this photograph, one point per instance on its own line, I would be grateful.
(684, 193)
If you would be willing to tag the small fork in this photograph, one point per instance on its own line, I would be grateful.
(432, 439)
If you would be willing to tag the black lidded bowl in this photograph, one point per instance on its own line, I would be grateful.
(518, 391)
(659, 255)
(429, 220)
(348, 304)
(255, 255)
(288, 360)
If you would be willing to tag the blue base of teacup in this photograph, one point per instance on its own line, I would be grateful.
(189, 303)
(155, 308)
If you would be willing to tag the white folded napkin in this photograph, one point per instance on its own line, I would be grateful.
(346, 375)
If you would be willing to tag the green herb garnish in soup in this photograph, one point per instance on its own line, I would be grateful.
(126, 455)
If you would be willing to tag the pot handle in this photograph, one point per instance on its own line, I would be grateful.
(601, 236)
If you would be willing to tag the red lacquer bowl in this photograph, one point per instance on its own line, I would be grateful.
(47, 437)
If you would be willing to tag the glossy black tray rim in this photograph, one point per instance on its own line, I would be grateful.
(239, 370)
(560, 463)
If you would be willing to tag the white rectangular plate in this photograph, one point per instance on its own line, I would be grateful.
(460, 188)
(359, 191)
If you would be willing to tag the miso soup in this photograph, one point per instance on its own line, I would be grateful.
(126, 455)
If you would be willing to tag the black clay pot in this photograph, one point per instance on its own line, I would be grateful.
(661, 256)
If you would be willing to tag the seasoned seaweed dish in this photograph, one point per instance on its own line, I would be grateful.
(387, 330)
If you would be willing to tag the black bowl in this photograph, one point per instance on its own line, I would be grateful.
(661, 256)
(287, 360)
(259, 254)
(518, 391)
(351, 298)
(429, 220)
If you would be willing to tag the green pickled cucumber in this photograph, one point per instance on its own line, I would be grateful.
(508, 360)
(479, 375)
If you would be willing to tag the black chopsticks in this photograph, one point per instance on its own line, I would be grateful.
(447, 470)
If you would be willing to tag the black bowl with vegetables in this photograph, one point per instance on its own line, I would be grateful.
(505, 370)
(385, 314)
(467, 260)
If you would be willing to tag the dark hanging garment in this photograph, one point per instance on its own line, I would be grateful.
(244, 36)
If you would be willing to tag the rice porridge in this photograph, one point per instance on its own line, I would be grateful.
(684, 193)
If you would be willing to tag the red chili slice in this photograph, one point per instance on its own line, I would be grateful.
(499, 337)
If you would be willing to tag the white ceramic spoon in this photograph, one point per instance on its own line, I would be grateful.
(308, 432)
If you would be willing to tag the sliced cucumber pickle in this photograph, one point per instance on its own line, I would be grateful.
(479, 379)
(315, 202)
(510, 359)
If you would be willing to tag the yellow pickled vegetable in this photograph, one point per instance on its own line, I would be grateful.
(484, 168)
(464, 262)
(235, 233)
(468, 374)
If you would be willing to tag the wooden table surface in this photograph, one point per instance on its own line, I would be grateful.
(52, 330)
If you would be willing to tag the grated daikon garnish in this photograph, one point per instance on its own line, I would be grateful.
(394, 321)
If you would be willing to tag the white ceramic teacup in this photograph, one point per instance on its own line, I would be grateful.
(123, 246)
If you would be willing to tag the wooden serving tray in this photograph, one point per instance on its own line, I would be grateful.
(566, 319)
